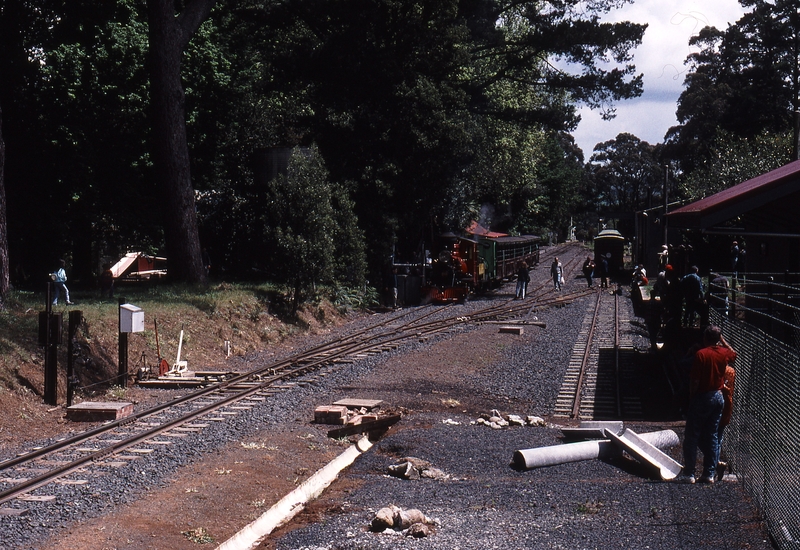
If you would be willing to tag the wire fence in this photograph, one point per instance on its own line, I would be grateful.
(769, 301)
(762, 442)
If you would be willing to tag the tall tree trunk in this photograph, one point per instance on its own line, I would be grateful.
(3, 225)
(169, 35)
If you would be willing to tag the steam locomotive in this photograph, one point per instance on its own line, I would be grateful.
(475, 264)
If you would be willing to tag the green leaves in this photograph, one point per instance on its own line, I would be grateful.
(310, 228)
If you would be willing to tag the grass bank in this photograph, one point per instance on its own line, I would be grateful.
(251, 317)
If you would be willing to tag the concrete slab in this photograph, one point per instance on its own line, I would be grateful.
(646, 453)
(94, 411)
(593, 429)
(368, 404)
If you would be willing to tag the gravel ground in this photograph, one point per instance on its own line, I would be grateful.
(488, 504)
(484, 504)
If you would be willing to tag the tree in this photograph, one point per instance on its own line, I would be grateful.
(169, 36)
(93, 94)
(561, 176)
(3, 225)
(407, 97)
(732, 160)
(625, 175)
(310, 228)
(744, 80)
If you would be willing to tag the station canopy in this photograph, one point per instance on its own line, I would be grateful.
(770, 200)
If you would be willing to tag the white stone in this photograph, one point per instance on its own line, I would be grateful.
(515, 420)
(535, 421)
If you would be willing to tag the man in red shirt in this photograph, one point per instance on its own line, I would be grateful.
(706, 380)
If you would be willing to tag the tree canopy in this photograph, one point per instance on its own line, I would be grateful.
(743, 80)
(125, 120)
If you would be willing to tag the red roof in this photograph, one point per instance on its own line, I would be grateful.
(476, 229)
(736, 200)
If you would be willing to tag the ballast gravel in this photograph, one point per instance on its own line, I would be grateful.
(442, 385)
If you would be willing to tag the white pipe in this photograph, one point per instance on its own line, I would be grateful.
(585, 450)
(287, 507)
(180, 345)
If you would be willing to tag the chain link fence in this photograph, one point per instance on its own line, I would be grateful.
(762, 442)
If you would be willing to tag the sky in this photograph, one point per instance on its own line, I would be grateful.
(660, 58)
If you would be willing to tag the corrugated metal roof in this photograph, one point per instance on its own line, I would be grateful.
(739, 199)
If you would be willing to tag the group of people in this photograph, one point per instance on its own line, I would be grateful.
(711, 381)
(557, 274)
(601, 268)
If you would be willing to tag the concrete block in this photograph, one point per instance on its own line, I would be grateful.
(368, 404)
(362, 419)
(330, 414)
(96, 411)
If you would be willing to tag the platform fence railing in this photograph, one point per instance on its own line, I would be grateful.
(762, 442)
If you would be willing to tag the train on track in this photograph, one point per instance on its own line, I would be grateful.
(610, 244)
(462, 265)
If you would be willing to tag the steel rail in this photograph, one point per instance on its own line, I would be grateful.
(294, 366)
(577, 403)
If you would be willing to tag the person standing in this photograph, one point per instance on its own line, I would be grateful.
(727, 412)
(390, 287)
(557, 272)
(588, 270)
(693, 294)
(523, 278)
(706, 403)
(107, 281)
(604, 270)
(734, 263)
(59, 278)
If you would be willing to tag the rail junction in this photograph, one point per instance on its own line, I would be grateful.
(597, 384)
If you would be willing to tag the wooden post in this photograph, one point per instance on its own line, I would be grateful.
(74, 320)
(50, 351)
(122, 373)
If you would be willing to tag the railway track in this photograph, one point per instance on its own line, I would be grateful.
(599, 368)
(76, 459)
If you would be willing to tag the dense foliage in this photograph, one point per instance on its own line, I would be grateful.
(125, 119)
(743, 81)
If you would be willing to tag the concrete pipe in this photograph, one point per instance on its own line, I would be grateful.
(585, 450)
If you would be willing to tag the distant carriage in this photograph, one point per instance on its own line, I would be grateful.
(475, 264)
(610, 241)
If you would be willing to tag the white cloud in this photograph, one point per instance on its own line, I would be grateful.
(660, 58)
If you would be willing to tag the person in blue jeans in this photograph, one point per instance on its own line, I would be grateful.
(557, 272)
(523, 278)
(706, 380)
(59, 277)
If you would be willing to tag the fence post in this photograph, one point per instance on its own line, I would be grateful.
(122, 372)
(786, 314)
(770, 280)
(74, 320)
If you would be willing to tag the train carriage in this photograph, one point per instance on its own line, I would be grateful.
(610, 244)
